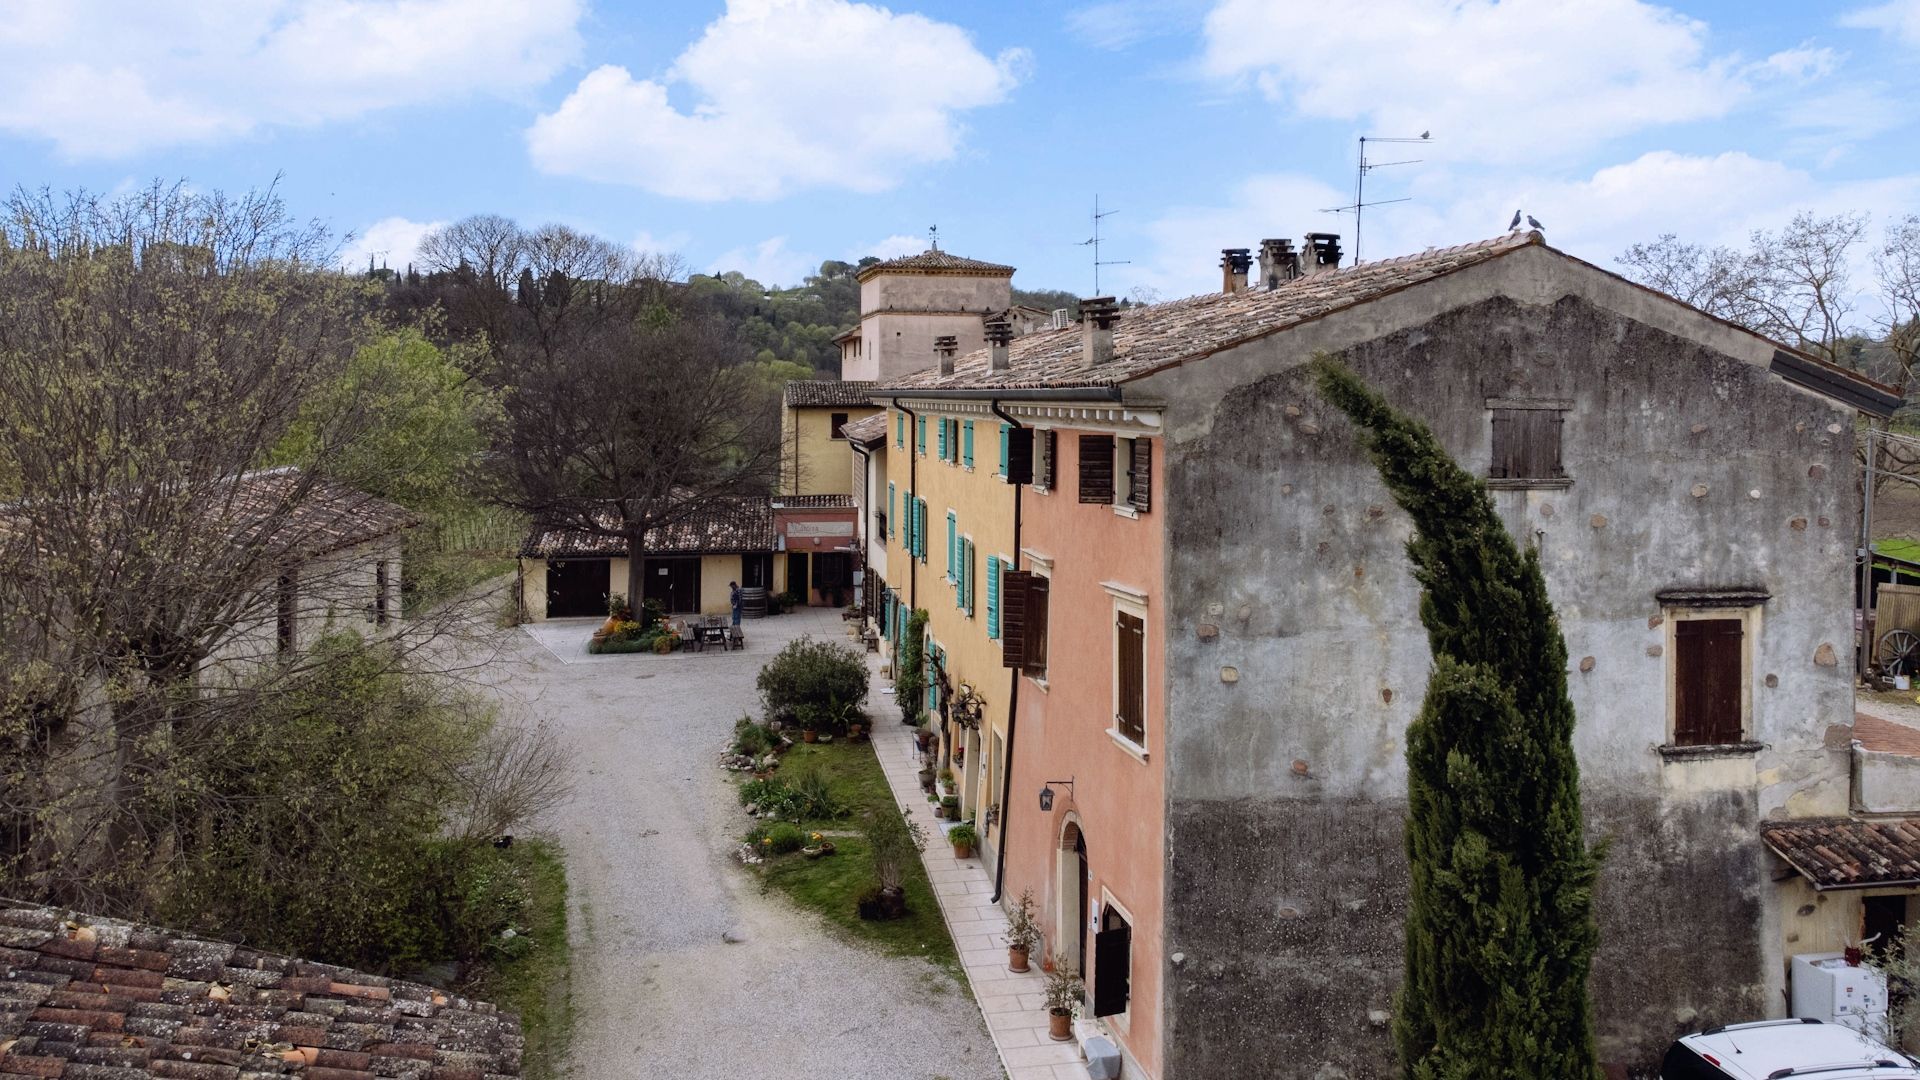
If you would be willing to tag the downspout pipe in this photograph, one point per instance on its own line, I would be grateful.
(860, 526)
(1013, 695)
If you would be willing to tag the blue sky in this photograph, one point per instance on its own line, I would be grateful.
(766, 135)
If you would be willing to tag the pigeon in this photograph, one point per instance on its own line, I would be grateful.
(1534, 224)
(1515, 223)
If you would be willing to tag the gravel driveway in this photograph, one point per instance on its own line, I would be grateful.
(649, 834)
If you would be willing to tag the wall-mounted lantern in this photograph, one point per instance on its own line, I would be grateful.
(1046, 793)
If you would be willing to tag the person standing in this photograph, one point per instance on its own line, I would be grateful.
(733, 598)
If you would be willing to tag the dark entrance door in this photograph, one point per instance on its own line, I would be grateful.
(756, 570)
(675, 583)
(577, 587)
(1080, 927)
(1885, 919)
(797, 576)
(833, 576)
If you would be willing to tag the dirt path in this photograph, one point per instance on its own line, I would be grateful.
(649, 833)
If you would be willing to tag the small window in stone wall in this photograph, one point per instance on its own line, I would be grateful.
(1526, 443)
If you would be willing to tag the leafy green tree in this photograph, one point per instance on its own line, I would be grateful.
(1500, 932)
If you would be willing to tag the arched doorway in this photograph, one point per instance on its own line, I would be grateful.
(1070, 914)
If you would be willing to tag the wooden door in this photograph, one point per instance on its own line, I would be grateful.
(578, 587)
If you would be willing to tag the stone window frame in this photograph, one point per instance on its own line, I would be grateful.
(1678, 606)
(1133, 602)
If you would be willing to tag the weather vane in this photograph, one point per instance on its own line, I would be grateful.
(933, 236)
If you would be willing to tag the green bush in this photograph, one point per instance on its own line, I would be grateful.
(909, 678)
(817, 684)
(752, 739)
(812, 796)
(777, 838)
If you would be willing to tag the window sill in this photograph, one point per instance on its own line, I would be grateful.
(1544, 483)
(1040, 489)
(1039, 683)
(1674, 752)
(1133, 749)
(1126, 512)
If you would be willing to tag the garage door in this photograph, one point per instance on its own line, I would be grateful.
(577, 587)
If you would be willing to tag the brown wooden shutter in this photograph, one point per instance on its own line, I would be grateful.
(1096, 468)
(1503, 440)
(1053, 459)
(1112, 970)
(1142, 475)
(1013, 618)
(1130, 711)
(1020, 455)
(1707, 665)
(1036, 643)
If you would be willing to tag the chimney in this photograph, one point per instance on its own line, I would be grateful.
(944, 349)
(1234, 263)
(1279, 263)
(1322, 252)
(999, 344)
(1097, 316)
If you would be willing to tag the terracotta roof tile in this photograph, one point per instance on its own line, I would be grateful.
(867, 430)
(228, 1012)
(1886, 736)
(718, 527)
(820, 393)
(935, 261)
(1146, 338)
(1841, 853)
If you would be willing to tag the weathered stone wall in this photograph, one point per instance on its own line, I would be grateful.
(1692, 467)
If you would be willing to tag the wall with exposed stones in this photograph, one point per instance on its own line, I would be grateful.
(1297, 660)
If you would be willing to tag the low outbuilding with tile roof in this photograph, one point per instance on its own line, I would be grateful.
(91, 998)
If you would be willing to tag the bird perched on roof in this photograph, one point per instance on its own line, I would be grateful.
(1534, 224)
(1515, 223)
(1519, 216)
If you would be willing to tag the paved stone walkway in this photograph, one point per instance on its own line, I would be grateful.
(1012, 1003)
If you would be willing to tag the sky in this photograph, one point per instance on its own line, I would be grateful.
(768, 135)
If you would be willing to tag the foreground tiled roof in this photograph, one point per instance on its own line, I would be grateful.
(99, 999)
(867, 430)
(717, 527)
(1841, 853)
(808, 393)
(1886, 736)
(935, 261)
(1146, 338)
(315, 516)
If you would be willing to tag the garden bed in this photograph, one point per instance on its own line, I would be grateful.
(529, 973)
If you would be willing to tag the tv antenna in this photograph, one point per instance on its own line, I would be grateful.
(1095, 244)
(1360, 202)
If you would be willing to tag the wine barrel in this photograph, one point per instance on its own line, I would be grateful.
(753, 602)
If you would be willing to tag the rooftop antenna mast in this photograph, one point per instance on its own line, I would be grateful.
(1095, 244)
(1360, 202)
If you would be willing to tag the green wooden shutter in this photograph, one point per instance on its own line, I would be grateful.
(890, 518)
(966, 444)
(920, 526)
(953, 530)
(993, 595)
(1006, 437)
(900, 430)
(967, 574)
(920, 435)
(943, 440)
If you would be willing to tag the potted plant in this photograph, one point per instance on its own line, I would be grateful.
(926, 779)
(1063, 994)
(946, 779)
(923, 738)
(1022, 933)
(962, 836)
(950, 807)
(807, 733)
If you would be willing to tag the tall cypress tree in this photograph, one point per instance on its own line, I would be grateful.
(1500, 932)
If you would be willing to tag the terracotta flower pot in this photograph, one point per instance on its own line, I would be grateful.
(809, 735)
(1059, 1025)
(1017, 960)
(853, 731)
(962, 850)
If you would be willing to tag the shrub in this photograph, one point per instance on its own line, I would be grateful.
(618, 608)
(652, 613)
(816, 683)
(752, 739)
(772, 796)
(811, 795)
(909, 681)
(666, 643)
(779, 838)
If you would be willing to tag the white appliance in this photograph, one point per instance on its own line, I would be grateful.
(1827, 989)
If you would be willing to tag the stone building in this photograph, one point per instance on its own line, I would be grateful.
(906, 303)
(1230, 697)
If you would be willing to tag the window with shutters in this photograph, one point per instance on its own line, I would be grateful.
(1006, 443)
(1023, 621)
(1526, 443)
(943, 439)
(1709, 677)
(1130, 673)
(1096, 468)
(900, 430)
(920, 435)
(1047, 472)
(285, 605)
(966, 583)
(966, 444)
(382, 592)
(994, 566)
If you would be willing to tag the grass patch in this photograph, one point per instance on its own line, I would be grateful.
(832, 885)
(532, 977)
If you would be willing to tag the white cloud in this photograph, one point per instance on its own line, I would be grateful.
(1900, 18)
(111, 78)
(1500, 80)
(392, 241)
(1710, 199)
(646, 243)
(787, 94)
(1118, 24)
(769, 262)
(891, 247)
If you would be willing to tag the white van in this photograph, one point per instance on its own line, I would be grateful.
(1777, 1049)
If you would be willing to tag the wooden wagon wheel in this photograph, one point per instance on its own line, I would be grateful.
(1900, 652)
